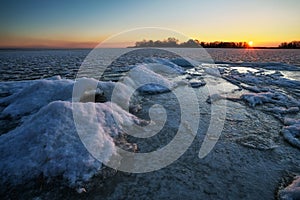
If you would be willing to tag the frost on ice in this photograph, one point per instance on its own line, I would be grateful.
(46, 141)
(145, 79)
(269, 91)
(36, 95)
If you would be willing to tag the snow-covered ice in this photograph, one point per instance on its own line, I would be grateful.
(146, 80)
(260, 133)
(46, 142)
(36, 95)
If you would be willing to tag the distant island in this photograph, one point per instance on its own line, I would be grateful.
(172, 42)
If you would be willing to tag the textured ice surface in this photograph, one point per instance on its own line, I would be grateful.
(184, 62)
(292, 133)
(248, 160)
(36, 95)
(256, 141)
(291, 192)
(47, 143)
(212, 71)
(145, 80)
(257, 99)
(271, 93)
(166, 63)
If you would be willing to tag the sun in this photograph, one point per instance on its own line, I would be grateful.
(250, 43)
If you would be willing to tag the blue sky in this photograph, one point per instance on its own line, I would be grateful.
(265, 22)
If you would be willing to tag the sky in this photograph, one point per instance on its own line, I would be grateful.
(84, 24)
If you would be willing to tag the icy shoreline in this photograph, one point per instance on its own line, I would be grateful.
(45, 140)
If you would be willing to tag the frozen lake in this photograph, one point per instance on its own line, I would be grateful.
(30, 64)
(253, 94)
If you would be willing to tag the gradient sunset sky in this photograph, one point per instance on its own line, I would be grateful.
(79, 23)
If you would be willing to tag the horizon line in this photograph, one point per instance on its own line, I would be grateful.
(133, 47)
(92, 45)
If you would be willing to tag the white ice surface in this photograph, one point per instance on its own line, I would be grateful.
(143, 78)
(47, 142)
(36, 95)
(30, 96)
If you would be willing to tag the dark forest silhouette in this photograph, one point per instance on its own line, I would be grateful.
(173, 42)
(290, 45)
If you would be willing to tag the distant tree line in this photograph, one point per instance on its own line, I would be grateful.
(290, 45)
(218, 44)
(173, 42)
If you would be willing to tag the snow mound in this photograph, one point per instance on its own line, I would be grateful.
(47, 143)
(143, 79)
(37, 95)
(30, 96)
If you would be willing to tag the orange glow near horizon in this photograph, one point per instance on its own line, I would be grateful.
(16, 41)
(51, 24)
(19, 42)
(13, 41)
(91, 40)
